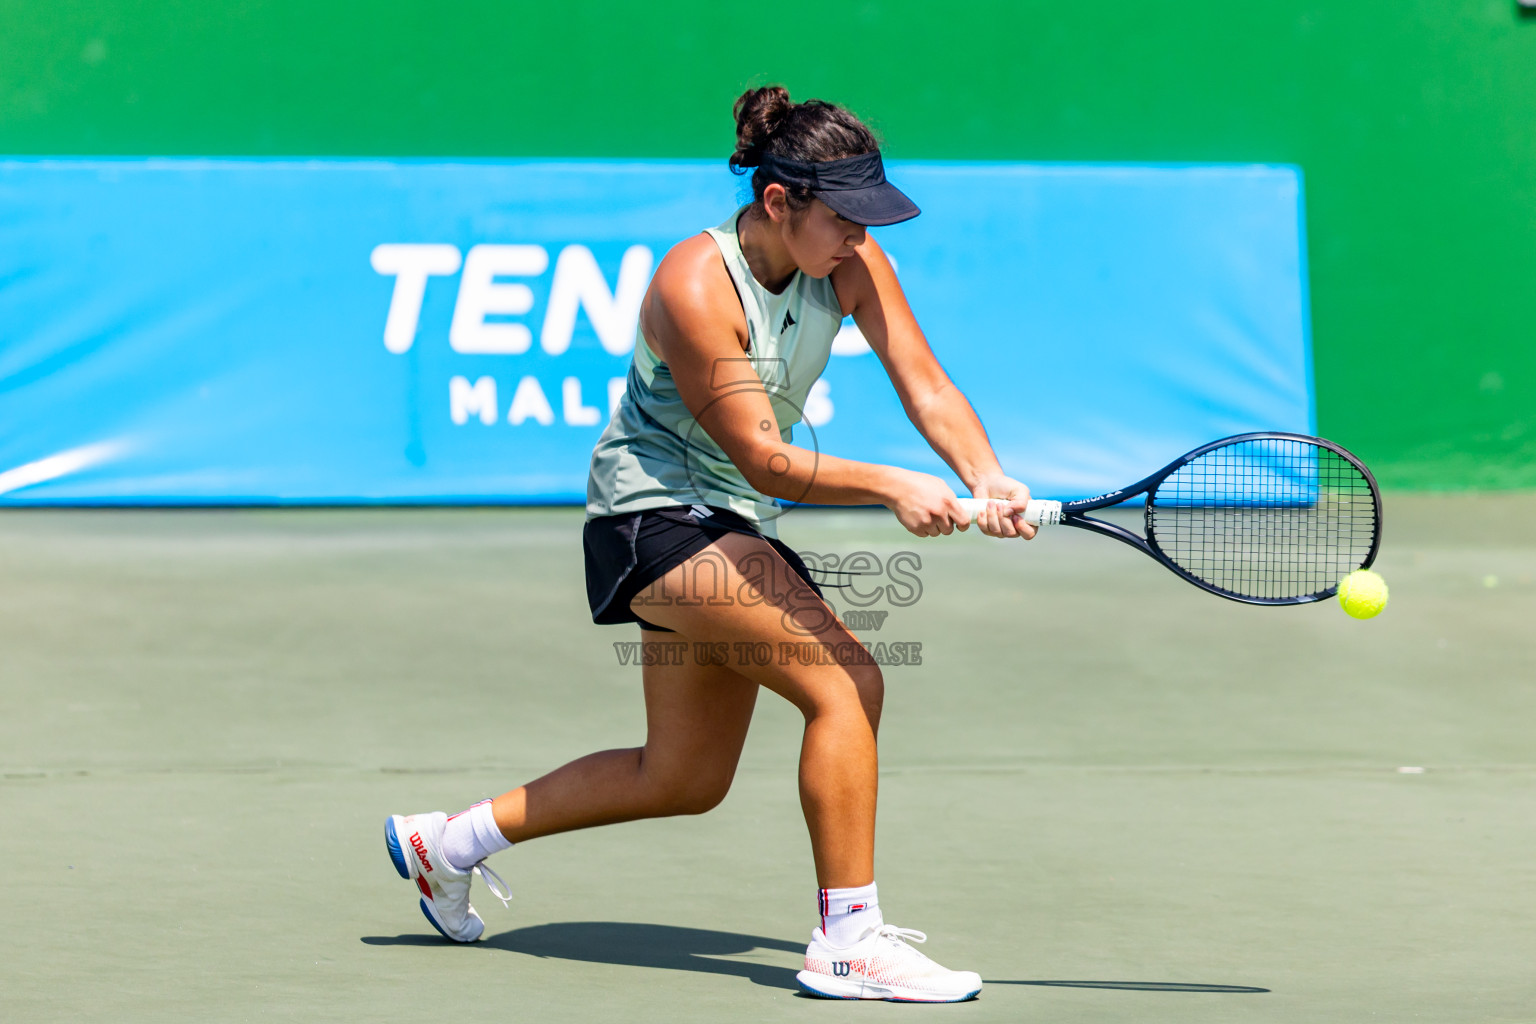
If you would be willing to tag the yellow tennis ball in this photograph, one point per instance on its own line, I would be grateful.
(1363, 594)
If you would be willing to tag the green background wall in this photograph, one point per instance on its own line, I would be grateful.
(1414, 121)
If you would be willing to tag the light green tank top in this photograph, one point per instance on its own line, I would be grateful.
(654, 454)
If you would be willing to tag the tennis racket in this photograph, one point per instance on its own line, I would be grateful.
(1266, 518)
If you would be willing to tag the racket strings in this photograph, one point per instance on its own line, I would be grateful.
(1271, 519)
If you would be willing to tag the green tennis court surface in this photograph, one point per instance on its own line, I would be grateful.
(1117, 798)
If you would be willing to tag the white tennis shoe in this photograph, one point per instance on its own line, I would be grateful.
(415, 844)
(882, 965)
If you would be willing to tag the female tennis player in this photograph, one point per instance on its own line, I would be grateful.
(735, 328)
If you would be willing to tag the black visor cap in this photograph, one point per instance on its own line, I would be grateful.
(854, 187)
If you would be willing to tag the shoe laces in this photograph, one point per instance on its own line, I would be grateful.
(903, 935)
(896, 941)
(499, 888)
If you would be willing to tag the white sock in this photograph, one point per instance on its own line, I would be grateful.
(846, 914)
(472, 836)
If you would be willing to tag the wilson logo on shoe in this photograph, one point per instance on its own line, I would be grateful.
(421, 850)
(841, 968)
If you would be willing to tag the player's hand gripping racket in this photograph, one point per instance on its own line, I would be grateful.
(1266, 518)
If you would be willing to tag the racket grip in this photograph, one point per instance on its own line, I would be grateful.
(1038, 512)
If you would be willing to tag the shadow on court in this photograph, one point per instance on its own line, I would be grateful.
(634, 945)
(669, 947)
(1136, 986)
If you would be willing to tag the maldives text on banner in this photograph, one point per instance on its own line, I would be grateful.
(223, 331)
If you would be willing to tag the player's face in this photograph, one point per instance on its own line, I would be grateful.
(818, 240)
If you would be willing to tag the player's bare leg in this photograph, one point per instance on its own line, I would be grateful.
(697, 715)
(840, 700)
(696, 722)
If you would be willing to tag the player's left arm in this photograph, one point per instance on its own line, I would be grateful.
(867, 288)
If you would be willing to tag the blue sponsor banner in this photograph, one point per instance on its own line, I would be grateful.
(210, 331)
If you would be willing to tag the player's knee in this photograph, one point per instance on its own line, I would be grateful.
(691, 791)
(859, 691)
(869, 682)
(694, 796)
(699, 799)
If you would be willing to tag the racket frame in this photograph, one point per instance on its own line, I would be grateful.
(1072, 513)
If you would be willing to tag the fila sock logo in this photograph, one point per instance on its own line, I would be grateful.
(789, 322)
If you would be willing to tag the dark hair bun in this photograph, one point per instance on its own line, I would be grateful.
(815, 131)
(759, 113)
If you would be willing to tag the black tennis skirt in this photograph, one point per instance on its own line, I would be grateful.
(627, 553)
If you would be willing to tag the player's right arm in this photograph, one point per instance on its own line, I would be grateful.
(693, 319)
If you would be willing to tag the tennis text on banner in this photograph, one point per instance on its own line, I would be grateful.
(578, 285)
(494, 314)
